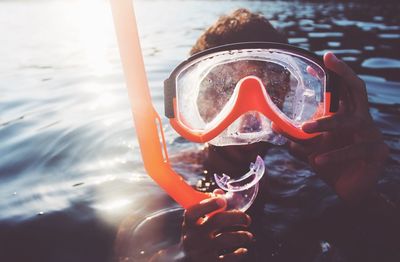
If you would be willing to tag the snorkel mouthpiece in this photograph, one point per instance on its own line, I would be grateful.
(240, 193)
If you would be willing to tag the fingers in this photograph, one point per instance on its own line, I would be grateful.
(237, 255)
(312, 72)
(363, 151)
(218, 192)
(194, 213)
(227, 219)
(215, 236)
(280, 131)
(228, 240)
(341, 122)
(355, 85)
(340, 68)
(349, 153)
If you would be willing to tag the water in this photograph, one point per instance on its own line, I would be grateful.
(70, 168)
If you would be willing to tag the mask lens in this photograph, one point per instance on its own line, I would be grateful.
(299, 95)
(294, 83)
(217, 86)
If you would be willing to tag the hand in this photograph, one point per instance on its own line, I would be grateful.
(212, 238)
(350, 153)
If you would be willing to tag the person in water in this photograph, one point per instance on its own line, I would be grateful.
(349, 156)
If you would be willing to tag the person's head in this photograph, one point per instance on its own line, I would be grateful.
(239, 26)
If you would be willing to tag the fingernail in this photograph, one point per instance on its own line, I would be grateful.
(250, 235)
(309, 127)
(221, 202)
(243, 251)
(334, 57)
(205, 200)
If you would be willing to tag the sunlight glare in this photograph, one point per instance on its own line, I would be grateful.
(96, 34)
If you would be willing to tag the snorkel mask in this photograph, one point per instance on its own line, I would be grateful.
(232, 94)
(205, 95)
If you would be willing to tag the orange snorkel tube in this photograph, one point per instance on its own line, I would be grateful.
(146, 120)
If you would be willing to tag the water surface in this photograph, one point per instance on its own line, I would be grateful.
(70, 166)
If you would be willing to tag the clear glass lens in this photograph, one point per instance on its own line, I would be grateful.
(205, 87)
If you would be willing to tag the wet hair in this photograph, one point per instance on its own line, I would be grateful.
(240, 26)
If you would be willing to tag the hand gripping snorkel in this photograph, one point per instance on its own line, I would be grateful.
(148, 123)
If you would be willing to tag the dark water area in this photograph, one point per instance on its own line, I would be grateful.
(70, 165)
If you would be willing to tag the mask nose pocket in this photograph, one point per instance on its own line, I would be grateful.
(250, 122)
(249, 128)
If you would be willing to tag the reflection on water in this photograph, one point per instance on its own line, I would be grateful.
(70, 168)
(381, 63)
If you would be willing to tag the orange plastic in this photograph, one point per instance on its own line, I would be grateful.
(146, 120)
(251, 89)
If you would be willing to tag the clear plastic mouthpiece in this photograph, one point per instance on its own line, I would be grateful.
(240, 193)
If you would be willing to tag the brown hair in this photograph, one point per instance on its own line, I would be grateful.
(240, 26)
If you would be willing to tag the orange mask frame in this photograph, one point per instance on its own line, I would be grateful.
(250, 89)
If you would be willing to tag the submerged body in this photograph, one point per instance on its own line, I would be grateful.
(294, 218)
